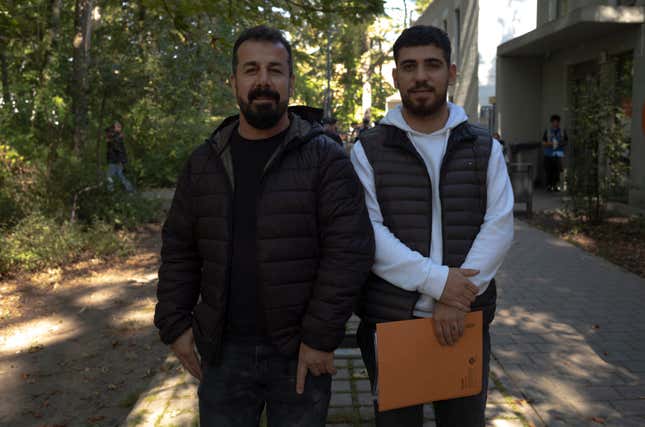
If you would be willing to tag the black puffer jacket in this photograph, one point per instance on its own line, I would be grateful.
(315, 242)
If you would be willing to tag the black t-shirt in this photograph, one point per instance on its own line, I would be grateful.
(245, 314)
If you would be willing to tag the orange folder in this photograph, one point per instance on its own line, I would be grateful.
(413, 368)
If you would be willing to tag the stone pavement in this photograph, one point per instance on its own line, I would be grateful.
(569, 333)
(568, 348)
(171, 397)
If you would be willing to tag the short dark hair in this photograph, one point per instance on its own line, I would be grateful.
(421, 35)
(555, 117)
(329, 120)
(262, 33)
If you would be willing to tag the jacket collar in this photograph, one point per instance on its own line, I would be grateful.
(459, 133)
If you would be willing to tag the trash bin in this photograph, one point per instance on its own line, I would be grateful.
(522, 181)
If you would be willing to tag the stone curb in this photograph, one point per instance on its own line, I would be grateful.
(525, 408)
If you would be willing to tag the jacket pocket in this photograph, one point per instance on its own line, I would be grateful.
(207, 330)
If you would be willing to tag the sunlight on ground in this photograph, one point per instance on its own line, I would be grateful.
(101, 298)
(136, 316)
(560, 243)
(33, 335)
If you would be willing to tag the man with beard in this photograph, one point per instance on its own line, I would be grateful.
(265, 249)
(441, 206)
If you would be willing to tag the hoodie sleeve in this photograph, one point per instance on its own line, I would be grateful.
(496, 233)
(394, 261)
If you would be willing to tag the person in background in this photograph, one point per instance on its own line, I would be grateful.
(554, 141)
(365, 126)
(116, 157)
(329, 125)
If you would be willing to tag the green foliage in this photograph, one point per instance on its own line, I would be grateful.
(118, 209)
(162, 69)
(421, 5)
(598, 165)
(38, 242)
(16, 185)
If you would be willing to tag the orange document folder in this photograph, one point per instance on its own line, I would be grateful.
(413, 368)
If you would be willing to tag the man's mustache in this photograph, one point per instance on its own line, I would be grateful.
(262, 92)
(421, 87)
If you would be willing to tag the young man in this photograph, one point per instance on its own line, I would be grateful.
(268, 230)
(554, 140)
(441, 205)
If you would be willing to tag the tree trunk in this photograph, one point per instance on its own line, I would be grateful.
(80, 85)
(50, 41)
(49, 44)
(100, 135)
(6, 94)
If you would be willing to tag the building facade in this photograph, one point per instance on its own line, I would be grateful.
(539, 72)
(476, 28)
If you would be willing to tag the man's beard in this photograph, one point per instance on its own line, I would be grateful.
(266, 114)
(424, 109)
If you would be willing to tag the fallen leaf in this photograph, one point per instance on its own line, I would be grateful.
(596, 326)
(598, 420)
(95, 418)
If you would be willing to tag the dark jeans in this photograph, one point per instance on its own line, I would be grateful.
(462, 412)
(248, 377)
(552, 168)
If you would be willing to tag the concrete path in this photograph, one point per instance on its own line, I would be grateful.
(568, 347)
(570, 333)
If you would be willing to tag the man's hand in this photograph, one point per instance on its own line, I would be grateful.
(184, 349)
(448, 323)
(459, 292)
(318, 362)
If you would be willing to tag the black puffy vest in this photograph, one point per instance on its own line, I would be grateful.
(404, 194)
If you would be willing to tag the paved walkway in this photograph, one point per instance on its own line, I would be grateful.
(568, 348)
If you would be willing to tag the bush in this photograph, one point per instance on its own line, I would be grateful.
(117, 208)
(39, 242)
(16, 186)
(58, 210)
(598, 164)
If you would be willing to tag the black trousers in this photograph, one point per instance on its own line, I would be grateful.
(552, 167)
(461, 412)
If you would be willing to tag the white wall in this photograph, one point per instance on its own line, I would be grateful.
(500, 21)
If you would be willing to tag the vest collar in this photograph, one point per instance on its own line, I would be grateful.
(459, 133)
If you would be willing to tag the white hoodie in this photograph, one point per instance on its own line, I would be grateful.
(408, 269)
